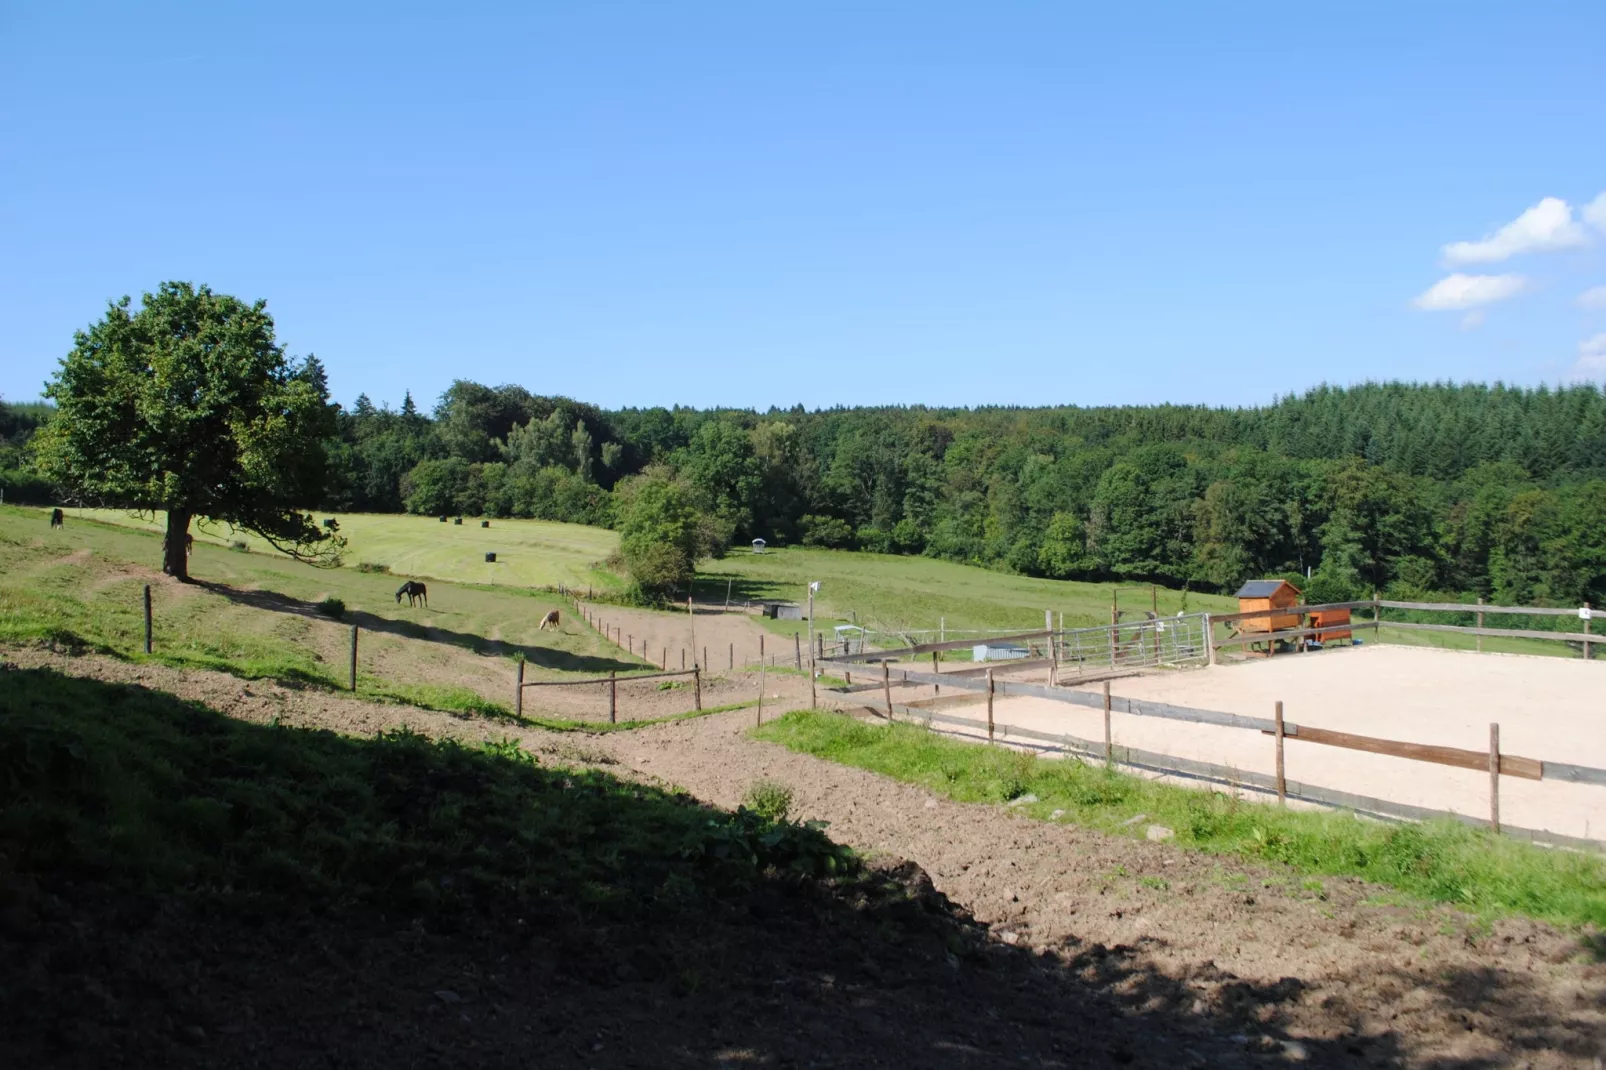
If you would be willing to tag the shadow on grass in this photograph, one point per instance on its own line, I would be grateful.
(541, 656)
(183, 889)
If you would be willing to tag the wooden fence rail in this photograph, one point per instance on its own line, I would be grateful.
(1190, 769)
(1498, 764)
(1376, 623)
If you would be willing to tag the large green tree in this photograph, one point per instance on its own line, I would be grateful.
(188, 405)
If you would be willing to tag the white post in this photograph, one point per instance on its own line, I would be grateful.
(942, 629)
(1210, 654)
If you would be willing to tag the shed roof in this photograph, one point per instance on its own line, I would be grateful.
(1264, 588)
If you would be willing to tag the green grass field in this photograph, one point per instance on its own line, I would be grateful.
(919, 592)
(255, 615)
(529, 553)
(1443, 861)
(879, 590)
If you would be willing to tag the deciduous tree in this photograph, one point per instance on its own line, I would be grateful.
(189, 405)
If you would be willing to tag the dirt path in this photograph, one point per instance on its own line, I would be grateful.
(1325, 965)
(1279, 968)
(727, 638)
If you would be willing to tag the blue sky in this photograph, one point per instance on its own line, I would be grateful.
(825, 203)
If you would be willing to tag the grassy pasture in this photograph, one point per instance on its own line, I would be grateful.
(917, 592)
(884, 590)
(255, 615)
(529, 553)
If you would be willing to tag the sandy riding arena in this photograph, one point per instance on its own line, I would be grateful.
(1547, 708)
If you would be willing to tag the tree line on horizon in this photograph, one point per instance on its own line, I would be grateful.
(1417, 489)
(187, 403)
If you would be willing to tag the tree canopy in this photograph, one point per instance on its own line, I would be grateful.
(188, 405)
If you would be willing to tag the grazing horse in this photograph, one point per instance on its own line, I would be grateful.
(56, 519)
(415, 592)
(551, 618)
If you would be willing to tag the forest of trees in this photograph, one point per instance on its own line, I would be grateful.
(1461, 490)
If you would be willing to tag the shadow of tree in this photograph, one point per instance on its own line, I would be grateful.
(542, 656)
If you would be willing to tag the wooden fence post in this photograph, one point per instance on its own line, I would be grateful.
(989, 705)
(1494, 776)
(663, 660)
(700, 664)
(697, 682)
(613, 697)
(518, 691)
(1480, 625)
(147, 618)
(814, 698)
(797, 651)
(886, 687)
(732, 665)
(1209, 642)
(682, 659)
(1282, 783)
(1109, 749)
(759, 717)
(1053, 649)
(761, 650)
(1589, 649)
(354, 657)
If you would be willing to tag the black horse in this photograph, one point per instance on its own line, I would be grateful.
(414, 591)
(56, 519)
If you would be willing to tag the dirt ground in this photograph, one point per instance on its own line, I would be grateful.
(1547, 708)
(1115, 952)
(720, 640)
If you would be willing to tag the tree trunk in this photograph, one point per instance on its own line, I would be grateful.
(175, 546)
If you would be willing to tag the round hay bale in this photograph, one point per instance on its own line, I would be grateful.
(490, 558)
(485, 523)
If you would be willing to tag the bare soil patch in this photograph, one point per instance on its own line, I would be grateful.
(661, 637)
(1431, 987)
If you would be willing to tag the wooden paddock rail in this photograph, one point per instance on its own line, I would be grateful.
(612, 680)
(1493, 760)
(926, 648)
(1479, 609)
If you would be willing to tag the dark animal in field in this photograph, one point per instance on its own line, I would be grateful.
(189, 543)
(415, 592)
(551, 618)
(331, 523)
(56, 519)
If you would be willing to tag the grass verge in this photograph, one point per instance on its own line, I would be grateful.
(1444, 861)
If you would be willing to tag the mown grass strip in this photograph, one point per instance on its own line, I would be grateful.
(1444, 861)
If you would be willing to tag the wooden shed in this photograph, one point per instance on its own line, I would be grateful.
(1268, 594)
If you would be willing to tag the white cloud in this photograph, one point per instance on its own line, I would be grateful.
(1591, 363)
(1547, 225)
(1595, 213)
(1469, 291)
(1473, 320)
(1594, 297)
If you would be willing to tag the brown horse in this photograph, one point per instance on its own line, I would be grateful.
(551, 618)
(415, 592)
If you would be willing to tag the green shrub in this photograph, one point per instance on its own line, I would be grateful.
(769, 799)
(240, 546)
(373, 566)
(333, 608)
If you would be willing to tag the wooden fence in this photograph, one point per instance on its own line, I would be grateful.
(612, 680)
(1479, 610)
(1497, 763)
